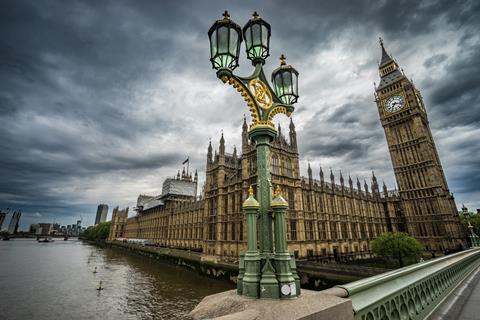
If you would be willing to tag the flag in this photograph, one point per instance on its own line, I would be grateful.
(186, 160)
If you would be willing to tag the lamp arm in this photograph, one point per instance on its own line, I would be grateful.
(259, 115)
(241, 84)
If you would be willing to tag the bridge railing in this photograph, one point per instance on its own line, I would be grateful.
(412, 292)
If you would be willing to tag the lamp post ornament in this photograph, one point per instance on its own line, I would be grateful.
(475, 241)
(266, 269)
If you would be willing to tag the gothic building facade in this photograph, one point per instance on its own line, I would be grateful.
(326, 217)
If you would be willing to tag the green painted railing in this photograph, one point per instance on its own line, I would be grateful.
(413, 292)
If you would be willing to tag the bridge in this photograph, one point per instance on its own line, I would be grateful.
(442, 288)
(445, 288)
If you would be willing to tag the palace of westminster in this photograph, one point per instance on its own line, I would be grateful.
(326, 217)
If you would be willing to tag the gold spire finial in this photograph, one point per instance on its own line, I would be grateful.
(226, 15)
(278, 191)
(283, 60)
(250, 191)
(381, 41)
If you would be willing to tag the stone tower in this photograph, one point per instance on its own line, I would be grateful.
(430, 210)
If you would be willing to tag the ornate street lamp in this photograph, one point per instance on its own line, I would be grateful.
(285, 82)
(257, 39)
(266, 271)
(475, 241)
(225, 38)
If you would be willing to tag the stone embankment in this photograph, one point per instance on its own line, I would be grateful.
(313, 275)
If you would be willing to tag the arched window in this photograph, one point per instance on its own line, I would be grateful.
(288, 168)
(253, 166)
(275, 164)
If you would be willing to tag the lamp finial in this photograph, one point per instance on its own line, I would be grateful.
(250, 191)
(278, 192)
(283, 60)
(226, 15)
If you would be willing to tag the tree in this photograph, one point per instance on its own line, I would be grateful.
(397, 245)
(98, 232)
(474, 221)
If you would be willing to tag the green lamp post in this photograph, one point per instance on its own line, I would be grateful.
(475, 241)
(473, 236)
(266, 268)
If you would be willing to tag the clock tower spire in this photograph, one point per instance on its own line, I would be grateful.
(429, 208)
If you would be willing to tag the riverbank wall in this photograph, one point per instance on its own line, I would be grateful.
(316, 276)
(206, 265)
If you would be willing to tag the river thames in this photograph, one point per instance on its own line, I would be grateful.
(57, 281)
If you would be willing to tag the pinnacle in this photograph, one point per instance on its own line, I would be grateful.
(385, 56)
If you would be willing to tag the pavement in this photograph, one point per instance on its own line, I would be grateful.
(463, 303)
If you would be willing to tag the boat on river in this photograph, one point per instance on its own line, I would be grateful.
(45, 240)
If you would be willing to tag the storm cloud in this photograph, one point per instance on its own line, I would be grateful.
(102, 100)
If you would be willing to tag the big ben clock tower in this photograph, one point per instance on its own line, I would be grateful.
(429, 208)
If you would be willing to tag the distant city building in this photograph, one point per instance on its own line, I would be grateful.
(42, 229)
(2, 219)
(33, 228)
(13, 226)
(102, 211)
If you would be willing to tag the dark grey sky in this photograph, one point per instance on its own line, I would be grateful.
(101, 100)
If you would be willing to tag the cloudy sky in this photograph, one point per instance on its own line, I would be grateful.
(101, 100)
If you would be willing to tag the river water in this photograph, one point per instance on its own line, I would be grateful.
(57, 281)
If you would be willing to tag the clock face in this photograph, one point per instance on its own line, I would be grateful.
(394, 103)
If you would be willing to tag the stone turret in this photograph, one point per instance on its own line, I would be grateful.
(375, 188)
(310, 177)
(365, 185)
(235, 157)
(342, 181)
(322, 181)
(245, 144)
(196, 183)
(293, 135)
(221, 149)
(221, 162)
(209, 154)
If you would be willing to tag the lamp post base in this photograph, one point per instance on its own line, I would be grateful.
(269, 284)
(251, 278)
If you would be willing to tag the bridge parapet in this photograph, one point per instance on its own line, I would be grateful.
(412, 292)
